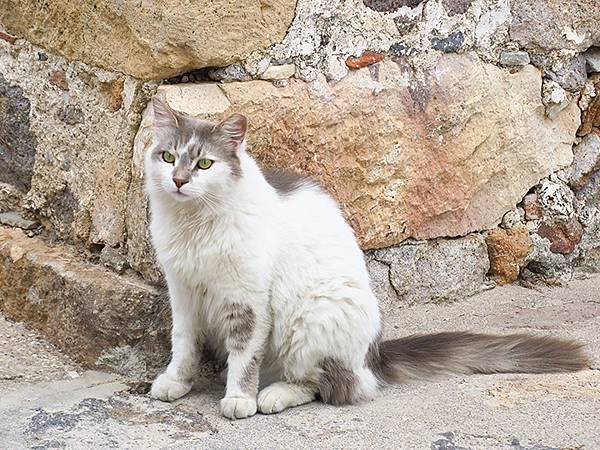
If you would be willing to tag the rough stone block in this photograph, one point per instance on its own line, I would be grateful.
(84, 309)
(437, 270)
(66, 138)
(150, 40)
(508, 250)
(586, 161)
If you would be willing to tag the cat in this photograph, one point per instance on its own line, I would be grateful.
(262, 267)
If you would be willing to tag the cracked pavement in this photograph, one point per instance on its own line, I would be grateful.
(48, 401)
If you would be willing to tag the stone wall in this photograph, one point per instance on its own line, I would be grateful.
(462, 139)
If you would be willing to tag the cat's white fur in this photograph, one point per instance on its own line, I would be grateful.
(292, 258)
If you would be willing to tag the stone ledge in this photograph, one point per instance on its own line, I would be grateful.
(94, 315)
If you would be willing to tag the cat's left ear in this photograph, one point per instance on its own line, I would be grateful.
(234, 129)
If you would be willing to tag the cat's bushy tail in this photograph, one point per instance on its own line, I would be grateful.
(426, 355)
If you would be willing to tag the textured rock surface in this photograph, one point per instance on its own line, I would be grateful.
(17, 142)
(324, 34)
(592, 59)
(555, 24)
(588, 259)
(590, 103)
(435, 271)
(14, 219)
(407, 155)
(513, 59)
(508, 250)
(586, 160)
(26, 357)
(86, 310)
(80, 133)
(149, 40)
(563, 236)
(10, 197)
(564, 224)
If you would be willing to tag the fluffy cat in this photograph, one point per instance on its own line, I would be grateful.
(262, 267)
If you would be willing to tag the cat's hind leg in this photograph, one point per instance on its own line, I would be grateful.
(281, 395)
(336, 385)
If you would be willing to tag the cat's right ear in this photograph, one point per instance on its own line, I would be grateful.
(164, 116)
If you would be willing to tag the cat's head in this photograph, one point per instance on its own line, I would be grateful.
(192, 159)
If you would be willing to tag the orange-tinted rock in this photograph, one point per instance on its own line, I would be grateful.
(364, 60)
(507, 251)
(59, 79)
(150, 40)
(113, 92)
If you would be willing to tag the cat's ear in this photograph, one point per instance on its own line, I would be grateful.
(164, 116)
(234, 129)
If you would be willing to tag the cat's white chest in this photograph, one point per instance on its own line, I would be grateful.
(196, 263)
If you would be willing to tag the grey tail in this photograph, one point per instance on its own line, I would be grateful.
(426, 355)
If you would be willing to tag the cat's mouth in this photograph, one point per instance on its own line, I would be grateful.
(178, 195)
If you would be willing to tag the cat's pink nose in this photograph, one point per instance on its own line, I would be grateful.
(180, 182)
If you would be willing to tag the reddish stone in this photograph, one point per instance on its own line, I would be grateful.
(563, 237)
(366, 59)
(113, 93)
(507, 251)
(532, 208)
(7, 37)
(59, 79)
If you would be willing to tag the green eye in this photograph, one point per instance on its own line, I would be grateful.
(168, 157)
(204, 164)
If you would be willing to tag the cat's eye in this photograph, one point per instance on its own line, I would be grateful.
(168, 157)
(204, 164)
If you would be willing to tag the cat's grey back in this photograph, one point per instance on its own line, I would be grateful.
(287, 182)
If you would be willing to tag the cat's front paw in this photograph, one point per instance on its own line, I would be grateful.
(238, 407)
(168, 388)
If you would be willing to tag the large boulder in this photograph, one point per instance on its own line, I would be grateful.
(149, 40)
(94, 315)
(444, 153)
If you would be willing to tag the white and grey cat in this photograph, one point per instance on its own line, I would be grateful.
(262, 267)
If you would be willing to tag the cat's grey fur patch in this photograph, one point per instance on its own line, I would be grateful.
(192, 137)
(249, 381)
(286, 182)
(425, 356)
(337, 383)
(240, 321)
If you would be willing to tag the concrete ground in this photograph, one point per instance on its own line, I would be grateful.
(47, 401)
